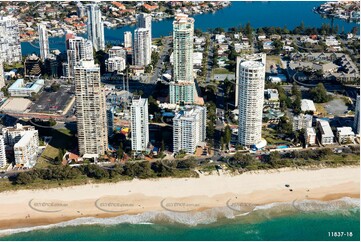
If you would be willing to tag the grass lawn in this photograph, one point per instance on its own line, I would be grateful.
(274, 58)
(270, 136)
(13, 66)
(321, 109)
(221, 71)
(49, 154)
(65, 131)
(62, 139)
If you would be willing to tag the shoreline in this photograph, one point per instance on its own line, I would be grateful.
(239, 194)
(119, 26)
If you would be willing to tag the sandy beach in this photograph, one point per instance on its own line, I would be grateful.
(28, 208)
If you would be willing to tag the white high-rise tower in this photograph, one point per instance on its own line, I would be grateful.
(95, 27)
(2, 75)
(43, 41)
(250, 102)
(144, 20)
(142, 47)
(2, 152)
(128, 39)
(189, 128)
(91, 110)
(78, 48)
(10, 48)
(182, 89)
(261, 57)
(139, 128)
(356, 123)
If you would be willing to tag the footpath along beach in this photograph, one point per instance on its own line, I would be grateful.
(240, 193)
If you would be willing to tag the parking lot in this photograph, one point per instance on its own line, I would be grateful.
(53, 102)
(336, 107)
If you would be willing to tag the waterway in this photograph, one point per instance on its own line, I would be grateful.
(258, 14)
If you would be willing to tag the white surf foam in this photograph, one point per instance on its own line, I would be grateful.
(194, 218)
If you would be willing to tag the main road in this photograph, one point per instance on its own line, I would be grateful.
(157, 71)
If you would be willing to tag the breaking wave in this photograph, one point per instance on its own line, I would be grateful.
(204, 217)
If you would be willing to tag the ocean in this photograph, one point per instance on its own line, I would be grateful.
(279, 221)
(258, 14)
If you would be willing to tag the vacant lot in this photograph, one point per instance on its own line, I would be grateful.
(275, 61)
(52, 102)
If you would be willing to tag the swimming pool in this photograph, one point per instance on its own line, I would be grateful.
(282, 147)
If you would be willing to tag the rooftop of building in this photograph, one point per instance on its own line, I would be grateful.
(139, 101)
(32, 57)
(87, 64)
(189, 112)
(252, 64)
(271, 91)
(325, 127)
(345, 131)
(19, 127)
(25, 140)
(5, 18)
(303, 116)
(307, 105)
(116, 48)
(182, 18)
(20, 85)
(18, 105)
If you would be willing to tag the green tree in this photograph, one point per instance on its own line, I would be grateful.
(120, 151)
(154, 58)
(319, 94)
(198, 32)
(52, 122)
(23, 178)
(34, 96)
(297, 105)
(278, 46)
(241, 160)
(232, 54)
(161, 170)
(285, 30)
(227, 135)
(211, 117)
(153, 105)
(186, 164)
(54, 87)
(95, 171)
(99, 58)
(295, 90)
(148, 68)
(218, 30)
(138, 169)
(284, 126)
(5, 91)
(248, 29)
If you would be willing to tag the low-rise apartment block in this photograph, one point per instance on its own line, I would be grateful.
(23, 140)
(326, 136)
(189, 129)
(345, 134)
(302, 121)
(310, 136)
